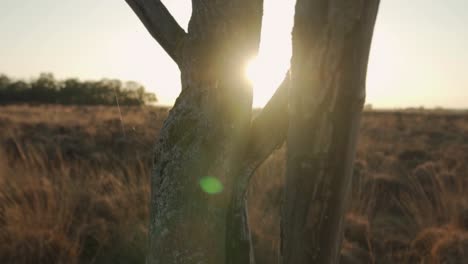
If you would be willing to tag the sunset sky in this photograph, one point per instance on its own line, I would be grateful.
(419, 55)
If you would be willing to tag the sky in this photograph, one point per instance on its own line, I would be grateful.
(418, 57)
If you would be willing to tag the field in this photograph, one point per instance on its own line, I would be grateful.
(74, 187)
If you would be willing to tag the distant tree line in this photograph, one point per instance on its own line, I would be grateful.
(47, 90)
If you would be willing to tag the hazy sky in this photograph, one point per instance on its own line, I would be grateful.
(419, 54)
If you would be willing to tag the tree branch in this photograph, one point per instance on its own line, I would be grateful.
(270, 127)
(160, 24)
(268, 132)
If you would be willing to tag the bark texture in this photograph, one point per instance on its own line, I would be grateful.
(267, 133)
(204, 135)
(331, 43)
(207, 133)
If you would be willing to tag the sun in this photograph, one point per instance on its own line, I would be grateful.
(257, 77)
(268, 69)
(266, 75)
(252, 71)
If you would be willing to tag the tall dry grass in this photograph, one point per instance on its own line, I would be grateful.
(60, 214)
(71, 188)
(74, 187)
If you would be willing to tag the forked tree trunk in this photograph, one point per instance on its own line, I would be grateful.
(331, 43)
(208, 133)
(205, 134)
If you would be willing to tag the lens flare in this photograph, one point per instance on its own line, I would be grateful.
(211, 185)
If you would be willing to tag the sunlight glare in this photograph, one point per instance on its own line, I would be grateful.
(265, 75)
(252, 71)
(267, 70)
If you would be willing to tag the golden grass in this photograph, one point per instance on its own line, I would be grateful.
(74, 187)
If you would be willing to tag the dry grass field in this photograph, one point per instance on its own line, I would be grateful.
(74, 187)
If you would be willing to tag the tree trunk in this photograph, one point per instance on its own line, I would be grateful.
(207, 148)
(204, 135)
(331, 43)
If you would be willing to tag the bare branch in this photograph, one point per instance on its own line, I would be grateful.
(268, 132)
(160, 24)
(269, 128)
